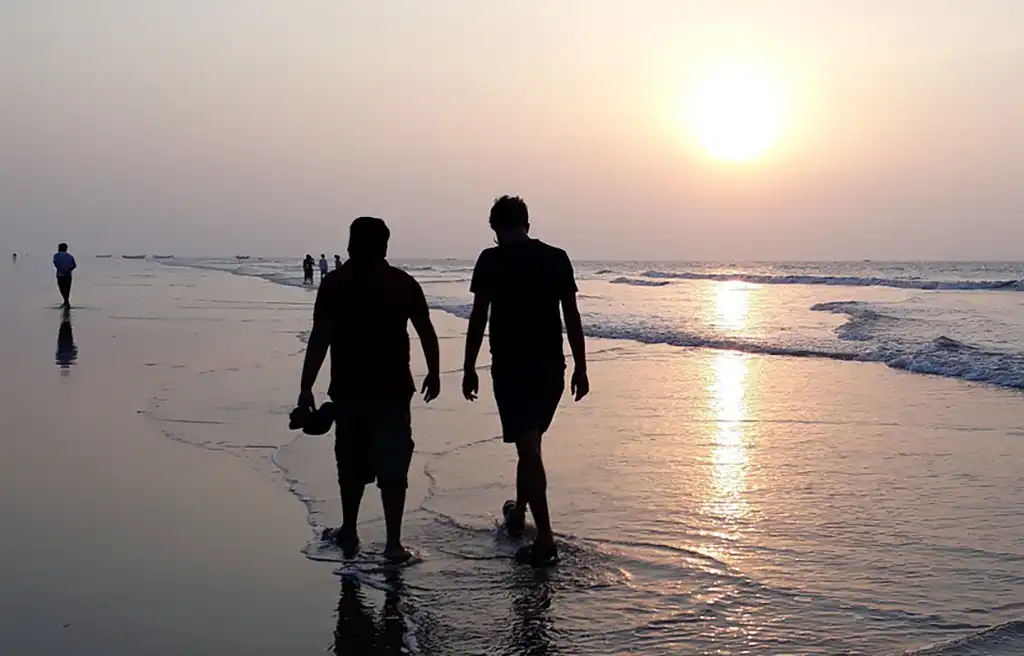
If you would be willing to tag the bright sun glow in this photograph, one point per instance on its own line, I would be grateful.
(737, 112)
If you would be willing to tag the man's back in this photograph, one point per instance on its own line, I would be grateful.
(64, 262)
(369, 308)
(525, 283)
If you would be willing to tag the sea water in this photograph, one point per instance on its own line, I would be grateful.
(710, 499)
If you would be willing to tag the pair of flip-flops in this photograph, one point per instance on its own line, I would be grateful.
(312, 421)
(528, 554)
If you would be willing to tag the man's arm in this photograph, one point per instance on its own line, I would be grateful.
(420, 318)
(316, 353)
(319, 342)
(475, 332)
(474, 340)
(574, 331)
(74, 264)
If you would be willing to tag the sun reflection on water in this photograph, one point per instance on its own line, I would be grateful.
(729, 458)
(732, 304)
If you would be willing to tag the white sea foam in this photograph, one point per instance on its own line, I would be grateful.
(1015, 285)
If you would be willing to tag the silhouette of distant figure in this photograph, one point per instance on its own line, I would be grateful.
(67, 352)
(14, 257)
(323, 266)
(362, 313)
(523, 283)
(307, 269)
(64, 262)
(337, 261)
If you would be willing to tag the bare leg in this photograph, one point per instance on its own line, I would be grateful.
(532, 484)
(348, 534)
(393, 500)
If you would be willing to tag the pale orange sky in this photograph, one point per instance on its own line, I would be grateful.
(215, 127)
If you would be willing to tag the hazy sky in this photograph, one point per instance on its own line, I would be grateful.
(260, 126)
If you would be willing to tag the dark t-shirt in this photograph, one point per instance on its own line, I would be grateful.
(525, 284)
(369, 309)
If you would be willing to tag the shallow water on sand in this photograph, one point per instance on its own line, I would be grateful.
(706, 501)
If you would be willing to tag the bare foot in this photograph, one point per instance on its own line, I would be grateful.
(397, 554)
(347, 541)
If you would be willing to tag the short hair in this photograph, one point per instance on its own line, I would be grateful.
(62, 247)
(509, 212)
(368, 237)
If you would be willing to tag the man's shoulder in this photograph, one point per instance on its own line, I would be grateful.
(553, 251)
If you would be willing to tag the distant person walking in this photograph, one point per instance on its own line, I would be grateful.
(337, 262)
(323, 266)
(64, 263)
(362, 313)
(14, 257)
(307, 269)
(524, 284)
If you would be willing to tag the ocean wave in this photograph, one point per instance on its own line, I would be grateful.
(863, 324)
(941, 356)
(846, 281)
(637, 282)
(999, 640)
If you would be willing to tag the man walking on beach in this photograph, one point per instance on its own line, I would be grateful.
(64, 263)
(362, 313)
(524, 283)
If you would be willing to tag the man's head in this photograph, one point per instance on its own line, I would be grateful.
(62, 248)
(368, 239)
(322, 256)
(510, 218)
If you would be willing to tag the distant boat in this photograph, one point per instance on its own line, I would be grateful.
(134, 257)
(162, 257)
(241, 257)
(103, 257)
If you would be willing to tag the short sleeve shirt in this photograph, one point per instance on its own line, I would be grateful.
(64, 262)
(368, 309)
(525, 284)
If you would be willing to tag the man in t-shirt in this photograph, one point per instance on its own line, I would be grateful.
(527, 286)
(323, 266)
(361, 313)
(64, 263)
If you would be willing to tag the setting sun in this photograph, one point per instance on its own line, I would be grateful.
(737, 112)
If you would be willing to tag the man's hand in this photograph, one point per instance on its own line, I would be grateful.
(431, 387)
(580, 384)
(306, 399)
(470, 384)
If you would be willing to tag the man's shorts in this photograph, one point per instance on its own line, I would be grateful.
(373, 442)
(527, 397)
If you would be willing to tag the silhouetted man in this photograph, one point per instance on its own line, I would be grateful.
(337, 261)
(362, 313)
(524, 283)
(307, 270)
(323, 266)
(64, 262)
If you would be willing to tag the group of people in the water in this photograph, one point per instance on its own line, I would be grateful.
(521, 287)
(309, 265)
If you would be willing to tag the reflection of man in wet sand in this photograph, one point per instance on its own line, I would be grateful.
(362, 313)
(360, 631)
(526, 286)
(67, 352)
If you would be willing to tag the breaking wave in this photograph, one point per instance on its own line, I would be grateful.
(639, 282)
(1005, 639)
(1016, 285)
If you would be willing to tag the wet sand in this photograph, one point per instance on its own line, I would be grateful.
(115, 539)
